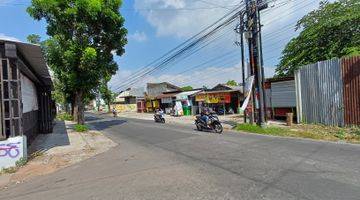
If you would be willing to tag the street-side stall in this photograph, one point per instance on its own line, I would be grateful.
(221, 102)
(154, 90)
(151, 104)
(167, 100)
(187, 102)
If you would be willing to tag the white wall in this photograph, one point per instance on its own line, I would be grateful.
(28, 95)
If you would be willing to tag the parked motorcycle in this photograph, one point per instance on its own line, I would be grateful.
(159, 118)
(213, 125)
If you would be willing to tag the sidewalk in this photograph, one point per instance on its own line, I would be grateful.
(62, 148)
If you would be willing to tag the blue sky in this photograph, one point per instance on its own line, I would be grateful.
(156, 26)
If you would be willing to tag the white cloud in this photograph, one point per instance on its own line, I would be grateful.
(178, 17)
(8, 38)
(138, 36)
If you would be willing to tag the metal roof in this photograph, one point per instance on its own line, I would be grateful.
(184, 95)
(34, 57)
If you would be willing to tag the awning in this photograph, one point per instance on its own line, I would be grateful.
(34, 56)
(218, 91)
(184, 95)
(162, 96)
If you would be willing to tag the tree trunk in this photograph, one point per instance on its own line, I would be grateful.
(79, 108)
(109, 110)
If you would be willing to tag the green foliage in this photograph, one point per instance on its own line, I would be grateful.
(84, 34)
(319, 132)
(341, 134)
(187, 88)
(231, 83)
(81, 128)
(9, 170)
(34, 39)
(64, 117)
(21, 162)
(257, 129)
(331, 31)
(106, 94)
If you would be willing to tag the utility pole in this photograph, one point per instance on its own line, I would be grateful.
(240, 30)
(252, 10)
(263, 6)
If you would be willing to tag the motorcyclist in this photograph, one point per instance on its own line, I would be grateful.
(205, 115)
(114, 112)
(159, 112)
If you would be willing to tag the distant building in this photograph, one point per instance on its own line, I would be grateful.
(26, 105)
(130, 100)
(155, 92)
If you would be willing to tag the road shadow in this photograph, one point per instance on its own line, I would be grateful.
(44, 142)
(102, 125)
(91, 118)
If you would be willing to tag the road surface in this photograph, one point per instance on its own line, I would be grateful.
(162, 161)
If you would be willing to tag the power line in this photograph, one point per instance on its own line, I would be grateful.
(189, 45)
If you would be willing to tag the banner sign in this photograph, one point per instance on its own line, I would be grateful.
(214, 97)
(12, 150)
(247, 91)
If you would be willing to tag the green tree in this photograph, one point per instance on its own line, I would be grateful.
(187, 88)
(34, 39)
(331, 31)
(106, 94)
(231, 83)
(58, 94)
(84, 34)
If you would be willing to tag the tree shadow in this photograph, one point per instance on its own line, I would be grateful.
(91, 118)
(102, 125)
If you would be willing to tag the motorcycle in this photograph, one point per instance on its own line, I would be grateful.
(213, 125)
(159, 118)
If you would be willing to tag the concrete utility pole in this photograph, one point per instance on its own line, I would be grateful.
(252, 9)
(240, 30)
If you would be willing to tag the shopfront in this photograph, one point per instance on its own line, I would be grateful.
(185, 102)
(222, 102)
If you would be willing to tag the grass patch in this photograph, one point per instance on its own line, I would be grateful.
(64, 117)
(270, 130)
(319, 132)
(10, 170)
(81, 128)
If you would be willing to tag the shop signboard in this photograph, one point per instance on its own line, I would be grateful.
(213, 98)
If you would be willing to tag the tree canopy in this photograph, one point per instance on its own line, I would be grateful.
(187, 88)
(231, 83)
(84, 35)
(331, 31)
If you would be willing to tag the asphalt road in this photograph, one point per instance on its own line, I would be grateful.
(161, 161)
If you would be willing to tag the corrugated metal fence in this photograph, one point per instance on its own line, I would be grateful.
(351, 81)
(320, 89)
(328, 92)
